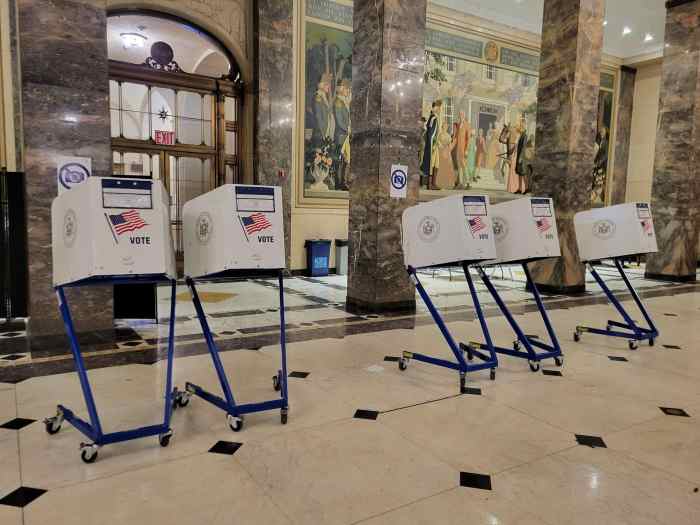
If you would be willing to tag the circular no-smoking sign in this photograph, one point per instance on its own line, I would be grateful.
(399, 179)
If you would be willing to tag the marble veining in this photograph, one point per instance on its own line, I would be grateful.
(623, 129)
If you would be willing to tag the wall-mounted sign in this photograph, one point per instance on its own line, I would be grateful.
(71, 171)
(399, 181)
(165, 138)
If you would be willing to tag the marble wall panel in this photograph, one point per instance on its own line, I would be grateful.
(623, 131)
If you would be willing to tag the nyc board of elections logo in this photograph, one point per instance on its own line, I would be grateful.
(500, 228)
(72, 174)
(428, 229)
(205, 227)
(70, 228)
(604, 229)
(399, 179)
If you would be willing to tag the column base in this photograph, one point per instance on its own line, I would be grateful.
(358, 306)
(671, 278)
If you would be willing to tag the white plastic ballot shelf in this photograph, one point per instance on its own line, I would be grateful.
(234, 227)
(525, 229)
(111, 227)
(448, 230)
(615, 231)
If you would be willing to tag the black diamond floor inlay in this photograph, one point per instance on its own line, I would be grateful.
(300, 375)
(471, 391)
(671, 315)
(591, 441)
(617, 358)
(366, 414)
(674, 412)
(13, 357)
(21, 497)
(225, 447)
(391, 358)
(17, 424)
(475, 481)
(672, 347)
(11, 334)
(552, 373)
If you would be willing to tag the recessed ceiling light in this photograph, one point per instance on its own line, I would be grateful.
(605, 22)
(648, 37)
(133, 40)
(626, 31)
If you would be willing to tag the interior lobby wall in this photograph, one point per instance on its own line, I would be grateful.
(643, 136)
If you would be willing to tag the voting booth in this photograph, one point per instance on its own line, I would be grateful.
(110, 231)
(525, 230)
(229, 233)
(615, 232)
(452, 230)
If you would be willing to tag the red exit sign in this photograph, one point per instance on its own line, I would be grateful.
(166, 138)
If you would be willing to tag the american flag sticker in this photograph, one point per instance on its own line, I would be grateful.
(647, 226)
(476, 225)
(125, 222)
(254, 223)
(543, 225)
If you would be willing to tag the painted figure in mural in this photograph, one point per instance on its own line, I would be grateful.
(422, 124)
(471, 161)
(517, 139)
(445, 178)
(460, 151)
(431, 157)
(324, 124)
(492, 148)
(481, 150)
(341, 114)
(600, 166)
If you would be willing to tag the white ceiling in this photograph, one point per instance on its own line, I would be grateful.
(194, 52)
(641, 16)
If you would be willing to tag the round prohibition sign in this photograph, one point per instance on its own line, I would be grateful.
(399, 179)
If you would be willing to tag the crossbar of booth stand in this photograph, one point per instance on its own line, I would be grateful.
(93, 428)
(228, 403)
(551, 351)
(634, 331)
(462, 365)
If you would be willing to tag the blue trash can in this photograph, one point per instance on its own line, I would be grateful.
(318, 254)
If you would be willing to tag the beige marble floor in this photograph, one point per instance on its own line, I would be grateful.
(325, 466)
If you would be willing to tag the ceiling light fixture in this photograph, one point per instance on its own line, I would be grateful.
(626, 31)
(133, 40)
(648, 37)
(605, 22)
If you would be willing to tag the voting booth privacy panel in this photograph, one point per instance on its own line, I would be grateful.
(111, 227)
(111, 231)
(231, 231)
(455, 229)
(612, 233)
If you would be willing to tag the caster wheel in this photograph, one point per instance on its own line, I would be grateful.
(632, 345)
(236, 423)
(53, 425)
(534, 366)
(88, 453)
(277, 382)
(559, 361)
(283, 416)
(516, 345)
(493, 374)
(651, 342)
(164, 439)
(462, 383)
(403, 363)
(577, 337)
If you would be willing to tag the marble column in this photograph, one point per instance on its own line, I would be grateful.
(675, 189)
(572, 42)
(623, 131)
(275, 101)
(65, 91)
(388, 67)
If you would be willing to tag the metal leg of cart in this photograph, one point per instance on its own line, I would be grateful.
(462, 365)
(628, 329)
(93, 429)
(530, 344)
(234, 411)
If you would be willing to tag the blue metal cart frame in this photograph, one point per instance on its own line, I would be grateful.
(462, 365)
(93, 429)
(551, 351)
(633, 332)
(235, 412)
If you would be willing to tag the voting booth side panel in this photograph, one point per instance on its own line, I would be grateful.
(448, 230)
(167, 234)
(71, 236)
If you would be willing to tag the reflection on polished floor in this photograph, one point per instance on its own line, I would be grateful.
(590, 446)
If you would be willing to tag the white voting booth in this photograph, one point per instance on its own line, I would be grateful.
(232, 231)
(612, 233)
(448, 230)
(525, 229)
(234, 227)
(110, 227)
(615, 231)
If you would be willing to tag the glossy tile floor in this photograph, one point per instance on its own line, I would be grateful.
(591, 446)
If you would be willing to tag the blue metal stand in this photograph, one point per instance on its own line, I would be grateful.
(489, 361)
(551, 351)
(235, 411)
(629, 329)
(93, 429)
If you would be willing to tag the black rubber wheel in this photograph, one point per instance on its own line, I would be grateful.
(183, 401)
(164, 440)
(577, 337)
(403, 364)
(235, 423)
(276, 383)
(534, 366)
(283, 416)
(559, 361)
(651, 342)
(88, 456)
(462, 383)
(493, 374)
(632, 345)
(50, 428)
(516, 345)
